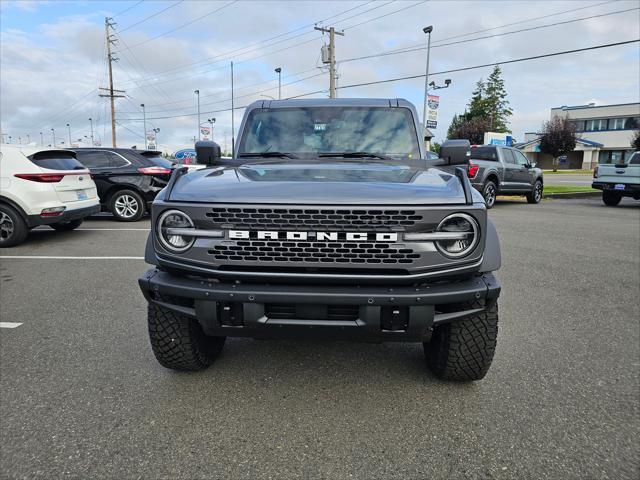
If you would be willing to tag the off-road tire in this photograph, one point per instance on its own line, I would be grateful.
(489, 193)
(463, 350)
(611, 198)
(535, 196)
(120, 213)
(179, 343)
(67, 226)
(13, 229)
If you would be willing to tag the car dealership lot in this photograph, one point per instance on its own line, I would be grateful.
(81, 394)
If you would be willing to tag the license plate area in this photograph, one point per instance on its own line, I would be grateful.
(81, 194)
(619, 186)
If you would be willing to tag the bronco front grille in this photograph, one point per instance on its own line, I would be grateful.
(314, 252)
(305, 219)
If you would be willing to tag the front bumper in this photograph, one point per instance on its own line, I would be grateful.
(67, 216)
(406, 313)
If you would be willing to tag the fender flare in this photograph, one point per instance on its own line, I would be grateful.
(492, 259)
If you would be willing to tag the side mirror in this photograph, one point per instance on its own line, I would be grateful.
(456, 152)
(532, 164)
(208, 153)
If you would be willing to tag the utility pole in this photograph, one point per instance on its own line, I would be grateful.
(144, 125)
(91, 122)
(331, 60)
(113, 94)
(233, 134)
(197, 92)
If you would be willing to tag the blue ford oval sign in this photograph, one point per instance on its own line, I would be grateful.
(186, 155)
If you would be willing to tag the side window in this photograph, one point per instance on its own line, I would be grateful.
(520, 158)
(92, 159)
(635, 159)
(508, 156)
(116, 160)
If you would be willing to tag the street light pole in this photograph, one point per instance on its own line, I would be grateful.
(41, 140)
(144, 124)
(53, 133)
(69, 129)
(28, 139)
(428, 31)
(156, 130)
(233, 134)
(279, 72)
(211, 122)
(197, 92)
(92, 142)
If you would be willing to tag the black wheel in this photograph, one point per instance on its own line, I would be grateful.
(489, 192)
(67, 226)
(611, 198)
(463, 350)
(535, 196)
(13, 229)
(179, 343)
(127, 206)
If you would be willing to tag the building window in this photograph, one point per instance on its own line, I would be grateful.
(596, 125)
(632, 123)
(617, 123)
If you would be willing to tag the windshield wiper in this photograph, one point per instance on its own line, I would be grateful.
(266, 155)
(354, 155)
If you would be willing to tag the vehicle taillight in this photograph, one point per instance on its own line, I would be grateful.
(52, 212)
(595, 172)
(472, 169)
(41, 177)
(154, 170)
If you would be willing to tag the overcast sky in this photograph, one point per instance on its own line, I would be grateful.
(53, 59)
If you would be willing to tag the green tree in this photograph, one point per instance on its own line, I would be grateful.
(477, 106)
(455, 123)
(558, 138)
(495, 102)
(635, 140)
(472, 130)
(435, 147)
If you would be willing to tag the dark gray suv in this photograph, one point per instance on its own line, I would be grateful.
(328, 222)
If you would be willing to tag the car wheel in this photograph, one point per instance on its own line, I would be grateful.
(67, 226)
(489, 192)
(127, 206)
(13, 229)
(178, 342)
(611, 198)
(463, 350)
(536, 194)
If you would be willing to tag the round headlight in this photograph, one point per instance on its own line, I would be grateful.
(466, 232)
(169, 225)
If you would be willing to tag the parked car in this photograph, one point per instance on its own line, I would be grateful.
(496, 170)
(617, 181)
(42, 187)
(157, 157)
(127, 180)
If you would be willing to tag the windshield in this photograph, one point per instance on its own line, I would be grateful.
(309, 131)
(484, 153)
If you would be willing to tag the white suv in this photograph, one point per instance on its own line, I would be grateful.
(42, 187)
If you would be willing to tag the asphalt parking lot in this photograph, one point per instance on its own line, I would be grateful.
(82, 395)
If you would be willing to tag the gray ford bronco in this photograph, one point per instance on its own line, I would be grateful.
(327, 223)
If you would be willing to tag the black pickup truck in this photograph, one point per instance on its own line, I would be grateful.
(496, 170)
(328, 222)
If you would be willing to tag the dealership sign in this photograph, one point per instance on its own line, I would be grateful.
(186, 155)
(433, 104)
(493, 138)
(205, 132)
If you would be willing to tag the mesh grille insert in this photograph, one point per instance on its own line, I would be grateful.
(305, 219)
(314, 252)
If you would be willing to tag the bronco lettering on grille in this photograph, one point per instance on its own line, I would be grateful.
(318, 236)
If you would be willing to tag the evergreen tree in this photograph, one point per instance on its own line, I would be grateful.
(477, 105)
(496, 104)
(455, 123)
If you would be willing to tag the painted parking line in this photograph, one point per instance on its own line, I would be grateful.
(63, 257)
(9, 325)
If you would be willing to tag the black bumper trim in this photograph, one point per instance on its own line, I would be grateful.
(67, 216)
(421, 301)
(630, 189)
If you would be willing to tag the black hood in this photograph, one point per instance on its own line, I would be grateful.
(339, 183)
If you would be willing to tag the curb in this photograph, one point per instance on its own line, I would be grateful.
(597, 193)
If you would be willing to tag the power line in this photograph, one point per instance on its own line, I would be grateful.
(128, 8)
(412, 77)
(184, 24)
(419, 47)
(385, 15)
(151, 16)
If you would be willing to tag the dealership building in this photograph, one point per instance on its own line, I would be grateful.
(603, 134)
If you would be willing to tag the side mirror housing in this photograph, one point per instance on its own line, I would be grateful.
(208, 153)
(456, 152)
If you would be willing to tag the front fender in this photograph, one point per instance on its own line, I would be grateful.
(149, 251)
